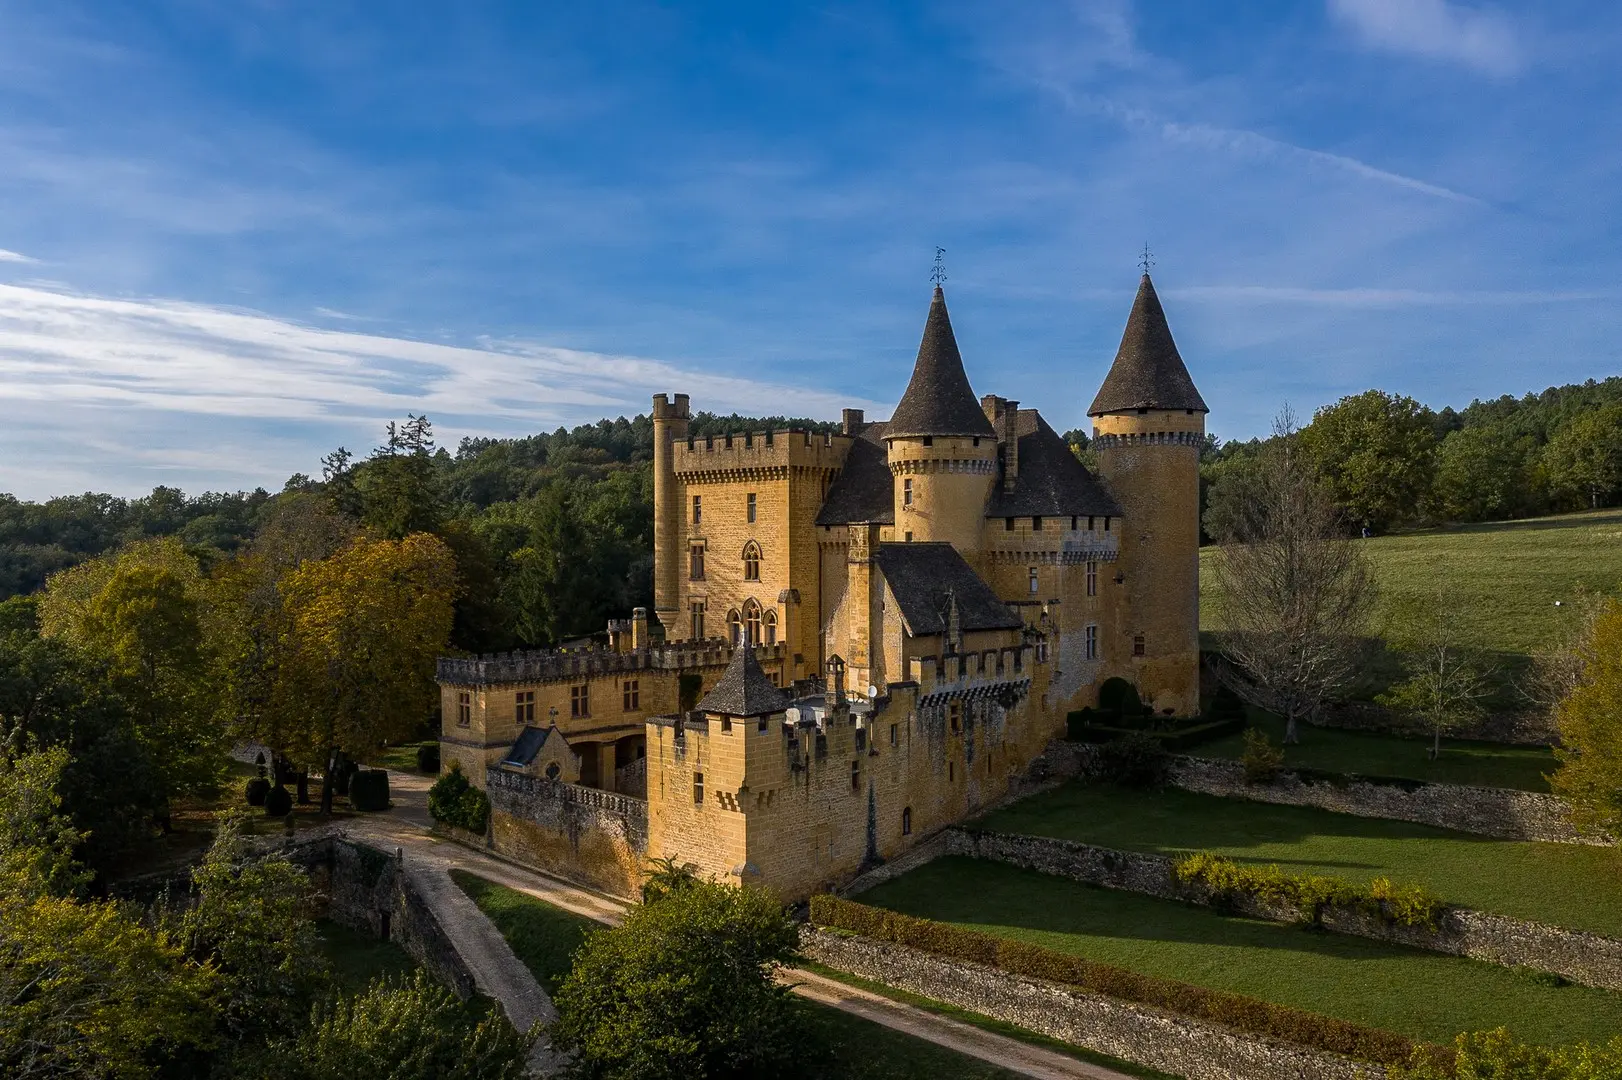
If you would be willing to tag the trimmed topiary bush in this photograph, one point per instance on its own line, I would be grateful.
(369, 789)
(428, 758)
(456, 802)
(257, 789)
(278, 802)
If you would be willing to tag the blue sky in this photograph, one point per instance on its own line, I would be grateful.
(234, 235)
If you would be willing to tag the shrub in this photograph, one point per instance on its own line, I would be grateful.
(1261, 759)
(1494, 1055)
(256, 791)
(456, 802)
(1135, 760)
(1021, 958)
(278, 802)
(369, 789)
(428, 758)
(1226, 880)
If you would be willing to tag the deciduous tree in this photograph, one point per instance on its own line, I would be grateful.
(1447, 678)
(1376, 453)
(1584, 457)
(1589, 718)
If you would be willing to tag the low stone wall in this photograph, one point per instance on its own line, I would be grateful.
(1196, 1049)
(598, 838)
(1577, 955)
(1500, 812)
(369, 889)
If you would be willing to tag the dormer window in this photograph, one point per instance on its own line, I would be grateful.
(929, 440)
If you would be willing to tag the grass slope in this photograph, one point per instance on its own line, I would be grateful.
(1420, 994)
(1370, 753)
(545, 936)
(1504, 578)
(1565, 884)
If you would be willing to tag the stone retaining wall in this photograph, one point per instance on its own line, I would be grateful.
(598, 838)
(1196, 1049)
(1582, 957)
(1500, 812)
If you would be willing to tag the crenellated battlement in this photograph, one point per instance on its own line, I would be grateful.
(1148, 438)
(571, 665)
(758, 453)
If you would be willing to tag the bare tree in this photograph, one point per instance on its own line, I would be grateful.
(1292, 593)
(1447, 679)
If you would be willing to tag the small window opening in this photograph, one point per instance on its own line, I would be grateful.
(750, 507)
(1140, 647)
(698, 788)
(906, 821)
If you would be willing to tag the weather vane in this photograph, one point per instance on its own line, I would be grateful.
(1146, 260)
(938, 275)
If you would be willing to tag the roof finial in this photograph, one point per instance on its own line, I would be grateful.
(1146, 260)
(938, 275)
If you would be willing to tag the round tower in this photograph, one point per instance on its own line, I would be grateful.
(669, 424)
(942, 449)
(1148, 427)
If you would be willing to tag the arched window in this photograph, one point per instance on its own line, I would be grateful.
(734, 624)
(771, 627)
(751, 622)
(751, 561)
(906, 822)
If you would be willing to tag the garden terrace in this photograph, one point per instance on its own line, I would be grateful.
(1572, 885)
(1417, 994)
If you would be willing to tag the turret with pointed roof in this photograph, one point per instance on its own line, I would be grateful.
(939, 400)
(1148, 373)
(743, 689)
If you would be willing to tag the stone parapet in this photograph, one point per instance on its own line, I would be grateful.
(560, 665)
(598, 838)
(1183, 1046)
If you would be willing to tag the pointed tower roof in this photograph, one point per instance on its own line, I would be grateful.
(1147, 373)
(939, 400)
(743, 689)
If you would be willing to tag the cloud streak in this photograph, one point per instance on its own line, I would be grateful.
(14, 257)
(1436, 29)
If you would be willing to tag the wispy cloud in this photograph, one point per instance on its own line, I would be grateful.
(14, 257)
(170, 373)
(1479, 38)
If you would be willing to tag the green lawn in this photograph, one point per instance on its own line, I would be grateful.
(1566, 884)
(1420, 994)
(1372, 753)
(544, 936)
(358, 957)
(402, 758)
(1504, 577)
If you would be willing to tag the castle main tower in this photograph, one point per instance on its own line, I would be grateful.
(1148, 426)
(669, 424)
(942, 449)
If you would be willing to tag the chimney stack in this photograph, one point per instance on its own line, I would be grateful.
(853, 421)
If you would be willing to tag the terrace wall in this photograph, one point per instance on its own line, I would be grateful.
(1196, 1049)
(598, 838)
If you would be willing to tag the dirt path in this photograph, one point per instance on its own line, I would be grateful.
(406, 825)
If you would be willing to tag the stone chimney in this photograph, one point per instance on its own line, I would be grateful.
(1004, 417)
(853, 421)
(639, 628)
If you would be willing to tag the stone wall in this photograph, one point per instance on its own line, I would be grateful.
(1500, 812)
(1577, 955)
(1196, 1049)
(598, 838)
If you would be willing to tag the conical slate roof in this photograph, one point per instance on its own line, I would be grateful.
(1147, 373)
(939, 400)
(744, 689)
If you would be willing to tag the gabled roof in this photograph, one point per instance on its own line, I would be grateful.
(527, 745)
(927, 578)
(939, 399)
(1051, 481)
(743, 689)
(1148, 373)
(865, 488)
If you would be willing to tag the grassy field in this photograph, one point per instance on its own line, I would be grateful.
(402, 758)
(1503, 579)
(1420, 994)
(1565, 884)
(544, 936)
(1376, 754)
(357, 957)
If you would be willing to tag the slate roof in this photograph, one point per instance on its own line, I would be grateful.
(744, 689)
(1051, 481)
(1148, 373)
(921, 576)
(526, 746)
(865, 488)
(939, 399)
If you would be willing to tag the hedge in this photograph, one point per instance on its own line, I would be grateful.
(1405, 905)
(456, 802)
(1250, 1015)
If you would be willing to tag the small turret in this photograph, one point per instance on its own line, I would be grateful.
(669, 424)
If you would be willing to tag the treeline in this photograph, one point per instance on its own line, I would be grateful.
(1389, 461)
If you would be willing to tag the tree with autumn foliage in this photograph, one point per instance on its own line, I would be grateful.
(1589, 717)
(363, 630)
